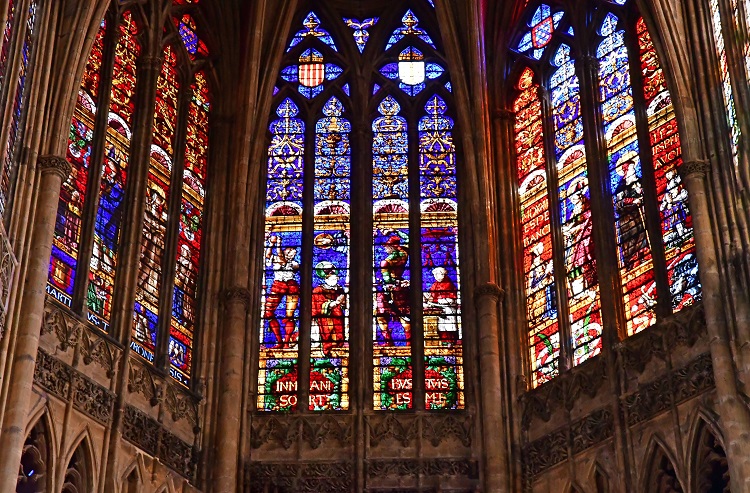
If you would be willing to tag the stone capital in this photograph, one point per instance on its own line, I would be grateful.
(54, 164)
(695, 169)
(488, 290)
(236, 294)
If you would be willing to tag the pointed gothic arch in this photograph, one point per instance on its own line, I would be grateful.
(78, 476)
(36, 468)
(660, 474)
(710, 468)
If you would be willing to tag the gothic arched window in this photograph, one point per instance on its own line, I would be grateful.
(85, 268)
(326, 160)
(597, 152)
(19, 32)
(732, 32)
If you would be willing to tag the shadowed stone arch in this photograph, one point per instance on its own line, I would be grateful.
(78, 472)
(661, 476)
(710, 468)
(33, 473)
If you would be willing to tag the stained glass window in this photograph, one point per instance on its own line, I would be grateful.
(726, 80)
(311, 250)
(7, 176)
(85, 263)
(650, 240)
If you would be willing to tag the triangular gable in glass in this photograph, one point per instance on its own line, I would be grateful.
(312, 28)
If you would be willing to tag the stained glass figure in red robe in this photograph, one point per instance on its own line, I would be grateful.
(328, 307)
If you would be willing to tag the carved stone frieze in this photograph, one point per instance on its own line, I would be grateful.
(699, 168)
(655, 397)
(402, 467)
(149, 435)
(93, 399)
(546, 452)
(563, 392)
(182, 405)
(592, 430)
(402, 428)
(328, 477)
(438, 427)
(318, 429)
(66, 383)
(53, 375)
(72, 332)
(281, 430)
(141, 380)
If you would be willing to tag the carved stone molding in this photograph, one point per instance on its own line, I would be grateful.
(438, 427)
(697, 169)
(402, 467)
(236, 295)
(330, 477)
(143, 380)
(54, 164)
(489, 289)
(149, 435)
(658, 396)
(592, 430)
(182, 405)
(72, 332)
(381, 427)
(563, 392)
(67, 384)
(546, 452)
(318, 429)
(281, 430)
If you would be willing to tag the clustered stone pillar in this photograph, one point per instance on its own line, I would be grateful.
(53, 171)
(225, 468)
(734, 414)
(496, 466)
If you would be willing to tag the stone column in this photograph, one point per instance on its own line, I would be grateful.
(53, 170)
(734, 415)
(496, 467)
(229, 415)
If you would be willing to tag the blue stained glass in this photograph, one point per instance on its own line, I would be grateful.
(390, 71)
(346, 89)
(290, 73)
(449, 86)
(409, 28)
(189, 38)
(375, 88)
(432, 3)
(275, 90)
(310, 92)
(542, 27)
(312, 28)
(412, 90)
(361, 33)
(333, 71)
(433, 70)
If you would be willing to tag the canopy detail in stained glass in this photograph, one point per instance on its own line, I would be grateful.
(410, 28)
(312, 29)
(361, 33)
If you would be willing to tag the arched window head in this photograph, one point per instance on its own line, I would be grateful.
(325, 160)
(598, 184)
(86, 271)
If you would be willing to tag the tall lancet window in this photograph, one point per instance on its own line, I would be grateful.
(16, 53)
(597, 152)
(86, 271)
(323, 276)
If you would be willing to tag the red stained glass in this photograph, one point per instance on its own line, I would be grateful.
(147, 312)
(541, 303)
(184, 297)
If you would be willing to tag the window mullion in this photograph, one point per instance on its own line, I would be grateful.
(415, 249)
(93, 194)
(558, 242)
(651, 203)
(170, 238)
(306, 268)
(603, 233)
